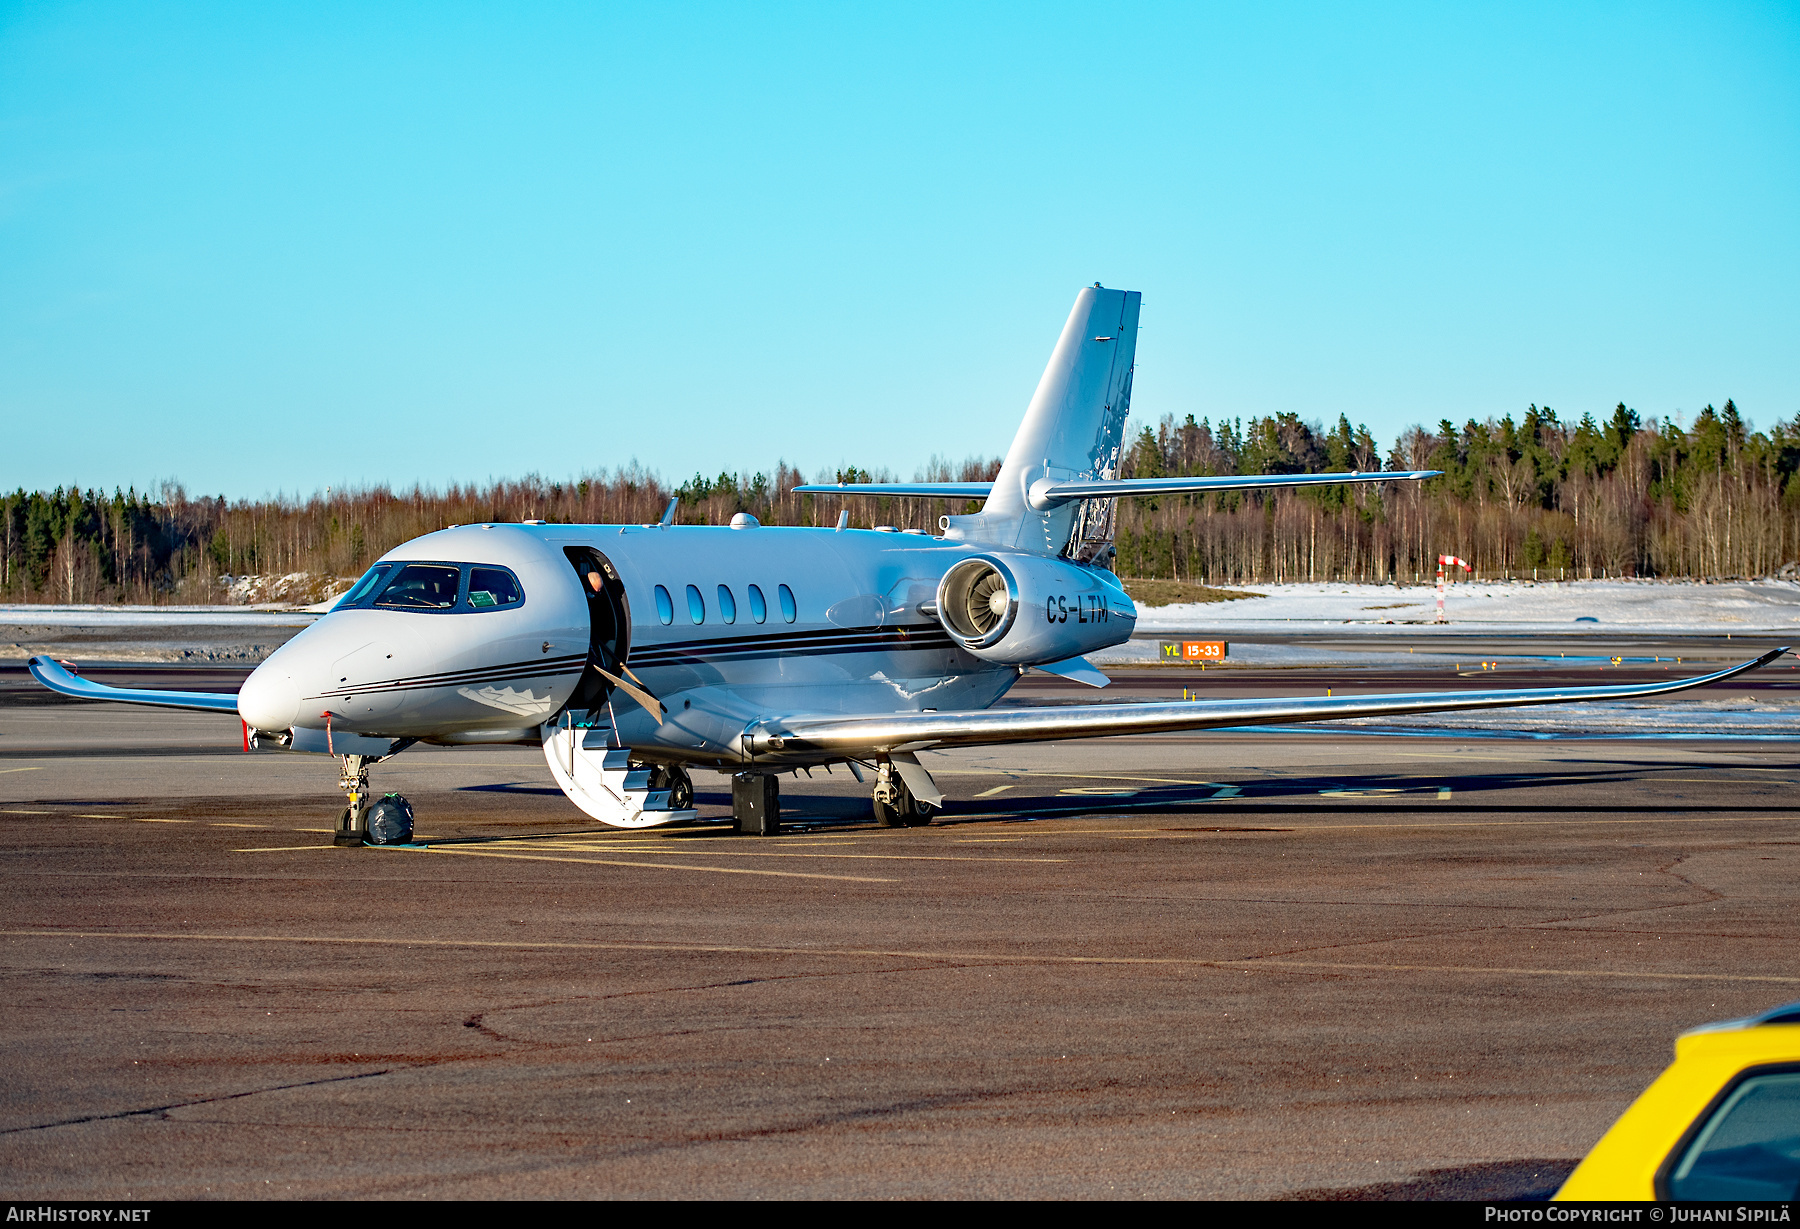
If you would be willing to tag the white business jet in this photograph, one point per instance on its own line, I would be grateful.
(634, 653)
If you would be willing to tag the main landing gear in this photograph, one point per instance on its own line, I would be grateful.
(895, 806)
(387, 820)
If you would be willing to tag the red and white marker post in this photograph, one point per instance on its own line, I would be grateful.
(1443, 562)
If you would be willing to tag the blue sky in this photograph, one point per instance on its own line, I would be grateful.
(267, 247)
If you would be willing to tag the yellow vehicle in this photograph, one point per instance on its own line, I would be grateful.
(1721, 1123)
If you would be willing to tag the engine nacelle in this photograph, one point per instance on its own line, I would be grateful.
(1026, 609)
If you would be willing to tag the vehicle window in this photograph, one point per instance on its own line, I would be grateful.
(759, 609)
(696, 605)
(359, 592)
(1749, 1147)
(727, 605)
(422, 586)
(490, 588)
(665, 607)
(789, 611)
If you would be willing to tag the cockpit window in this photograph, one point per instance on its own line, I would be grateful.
(422, 586)
(360, 591)
(490, 588)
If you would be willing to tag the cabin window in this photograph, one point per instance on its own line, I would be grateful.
(422, 586)
(665, 607)
(492, 588)
(696, 605)
(727, 605)
(759, 609)
(789, 611)
(360, 591)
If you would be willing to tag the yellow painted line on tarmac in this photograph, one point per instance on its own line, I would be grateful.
(989, 793)
(663, 846)
(221, 824)
(1234, 965)
(662, 866)
(27, 812)
(33, 768)
(780, 853)
(1277, 824)
(1288, 822)
(1062, 776)
(1503, 970)
(1470, 755)
(137, 819)
(1652, 779)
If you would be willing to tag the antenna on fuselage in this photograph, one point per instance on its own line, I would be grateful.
(668, 516)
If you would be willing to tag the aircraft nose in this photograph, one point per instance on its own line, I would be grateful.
(269, 699)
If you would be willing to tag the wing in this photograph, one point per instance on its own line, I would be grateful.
(804, 735)
(56, 678)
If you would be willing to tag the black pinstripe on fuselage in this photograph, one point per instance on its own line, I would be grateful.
(828, 642)
(517, 671)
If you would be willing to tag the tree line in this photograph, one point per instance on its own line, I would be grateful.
(1532, 497)
(1536, 496)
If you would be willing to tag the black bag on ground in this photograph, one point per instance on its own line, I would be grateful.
(390, 821)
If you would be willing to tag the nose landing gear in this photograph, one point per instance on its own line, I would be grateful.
(353, 778)
(386, 821)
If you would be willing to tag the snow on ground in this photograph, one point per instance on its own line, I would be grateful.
(152, 616)
(1636, 605)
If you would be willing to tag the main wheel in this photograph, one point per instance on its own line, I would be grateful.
(904, 811)
(892, 816)
(674, 778)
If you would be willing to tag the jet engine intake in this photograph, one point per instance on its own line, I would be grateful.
(1026, 609)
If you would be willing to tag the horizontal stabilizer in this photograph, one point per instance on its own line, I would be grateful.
(56, 678)
(927, 490)
(1047, 493)
(807, 736)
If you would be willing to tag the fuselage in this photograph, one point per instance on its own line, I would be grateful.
(725, 626)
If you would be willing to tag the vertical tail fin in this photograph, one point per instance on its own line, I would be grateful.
(1074, 427)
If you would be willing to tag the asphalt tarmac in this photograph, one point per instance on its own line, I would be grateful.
(1304, 965)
